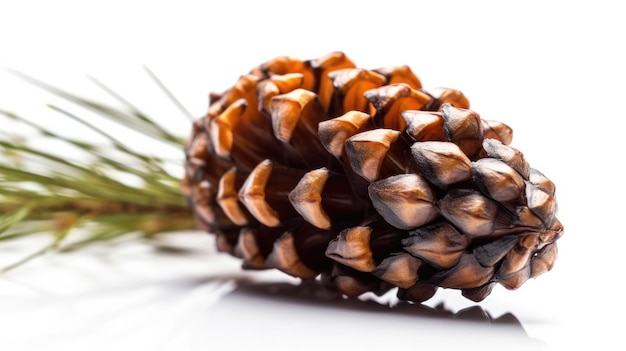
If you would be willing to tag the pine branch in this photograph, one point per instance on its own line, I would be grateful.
(42, 193)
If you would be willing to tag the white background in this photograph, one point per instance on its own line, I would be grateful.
(552, 70)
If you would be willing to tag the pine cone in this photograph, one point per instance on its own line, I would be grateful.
(363, 178)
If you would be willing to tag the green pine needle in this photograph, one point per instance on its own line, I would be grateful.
(112, 193)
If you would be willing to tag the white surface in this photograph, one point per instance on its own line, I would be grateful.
(554, 71)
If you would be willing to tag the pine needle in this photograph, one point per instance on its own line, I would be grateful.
(42, 193)
(169, 94)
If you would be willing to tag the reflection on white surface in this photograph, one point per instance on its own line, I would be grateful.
(131, 297)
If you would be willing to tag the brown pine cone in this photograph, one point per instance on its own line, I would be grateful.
(363, 178)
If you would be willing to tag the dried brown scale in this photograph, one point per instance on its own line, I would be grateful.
(367, 181)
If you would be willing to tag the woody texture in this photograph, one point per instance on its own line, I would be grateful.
(367, 182)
